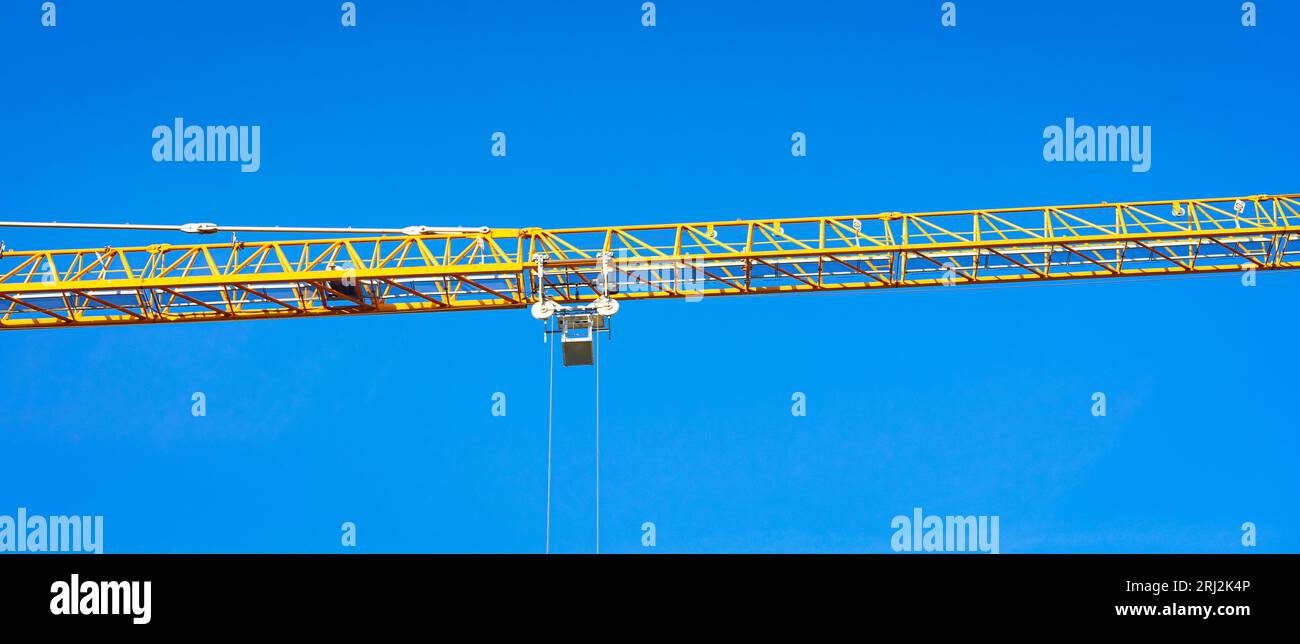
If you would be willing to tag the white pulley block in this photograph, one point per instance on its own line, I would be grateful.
(544, 309)
(606, 307)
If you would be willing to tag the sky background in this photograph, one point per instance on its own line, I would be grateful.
(960, 401)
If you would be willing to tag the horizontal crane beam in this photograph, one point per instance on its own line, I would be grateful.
(497, 269)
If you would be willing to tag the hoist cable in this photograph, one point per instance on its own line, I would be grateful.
(595, 342)
(550, 408)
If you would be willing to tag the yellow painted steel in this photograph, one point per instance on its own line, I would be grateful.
(497, 270)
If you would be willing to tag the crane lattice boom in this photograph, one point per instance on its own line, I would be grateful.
(498, 269)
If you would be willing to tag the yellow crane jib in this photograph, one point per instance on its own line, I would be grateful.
(576, 272)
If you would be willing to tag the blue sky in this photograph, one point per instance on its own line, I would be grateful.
(960, 401)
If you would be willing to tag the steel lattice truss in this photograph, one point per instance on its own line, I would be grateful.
(498, 269)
